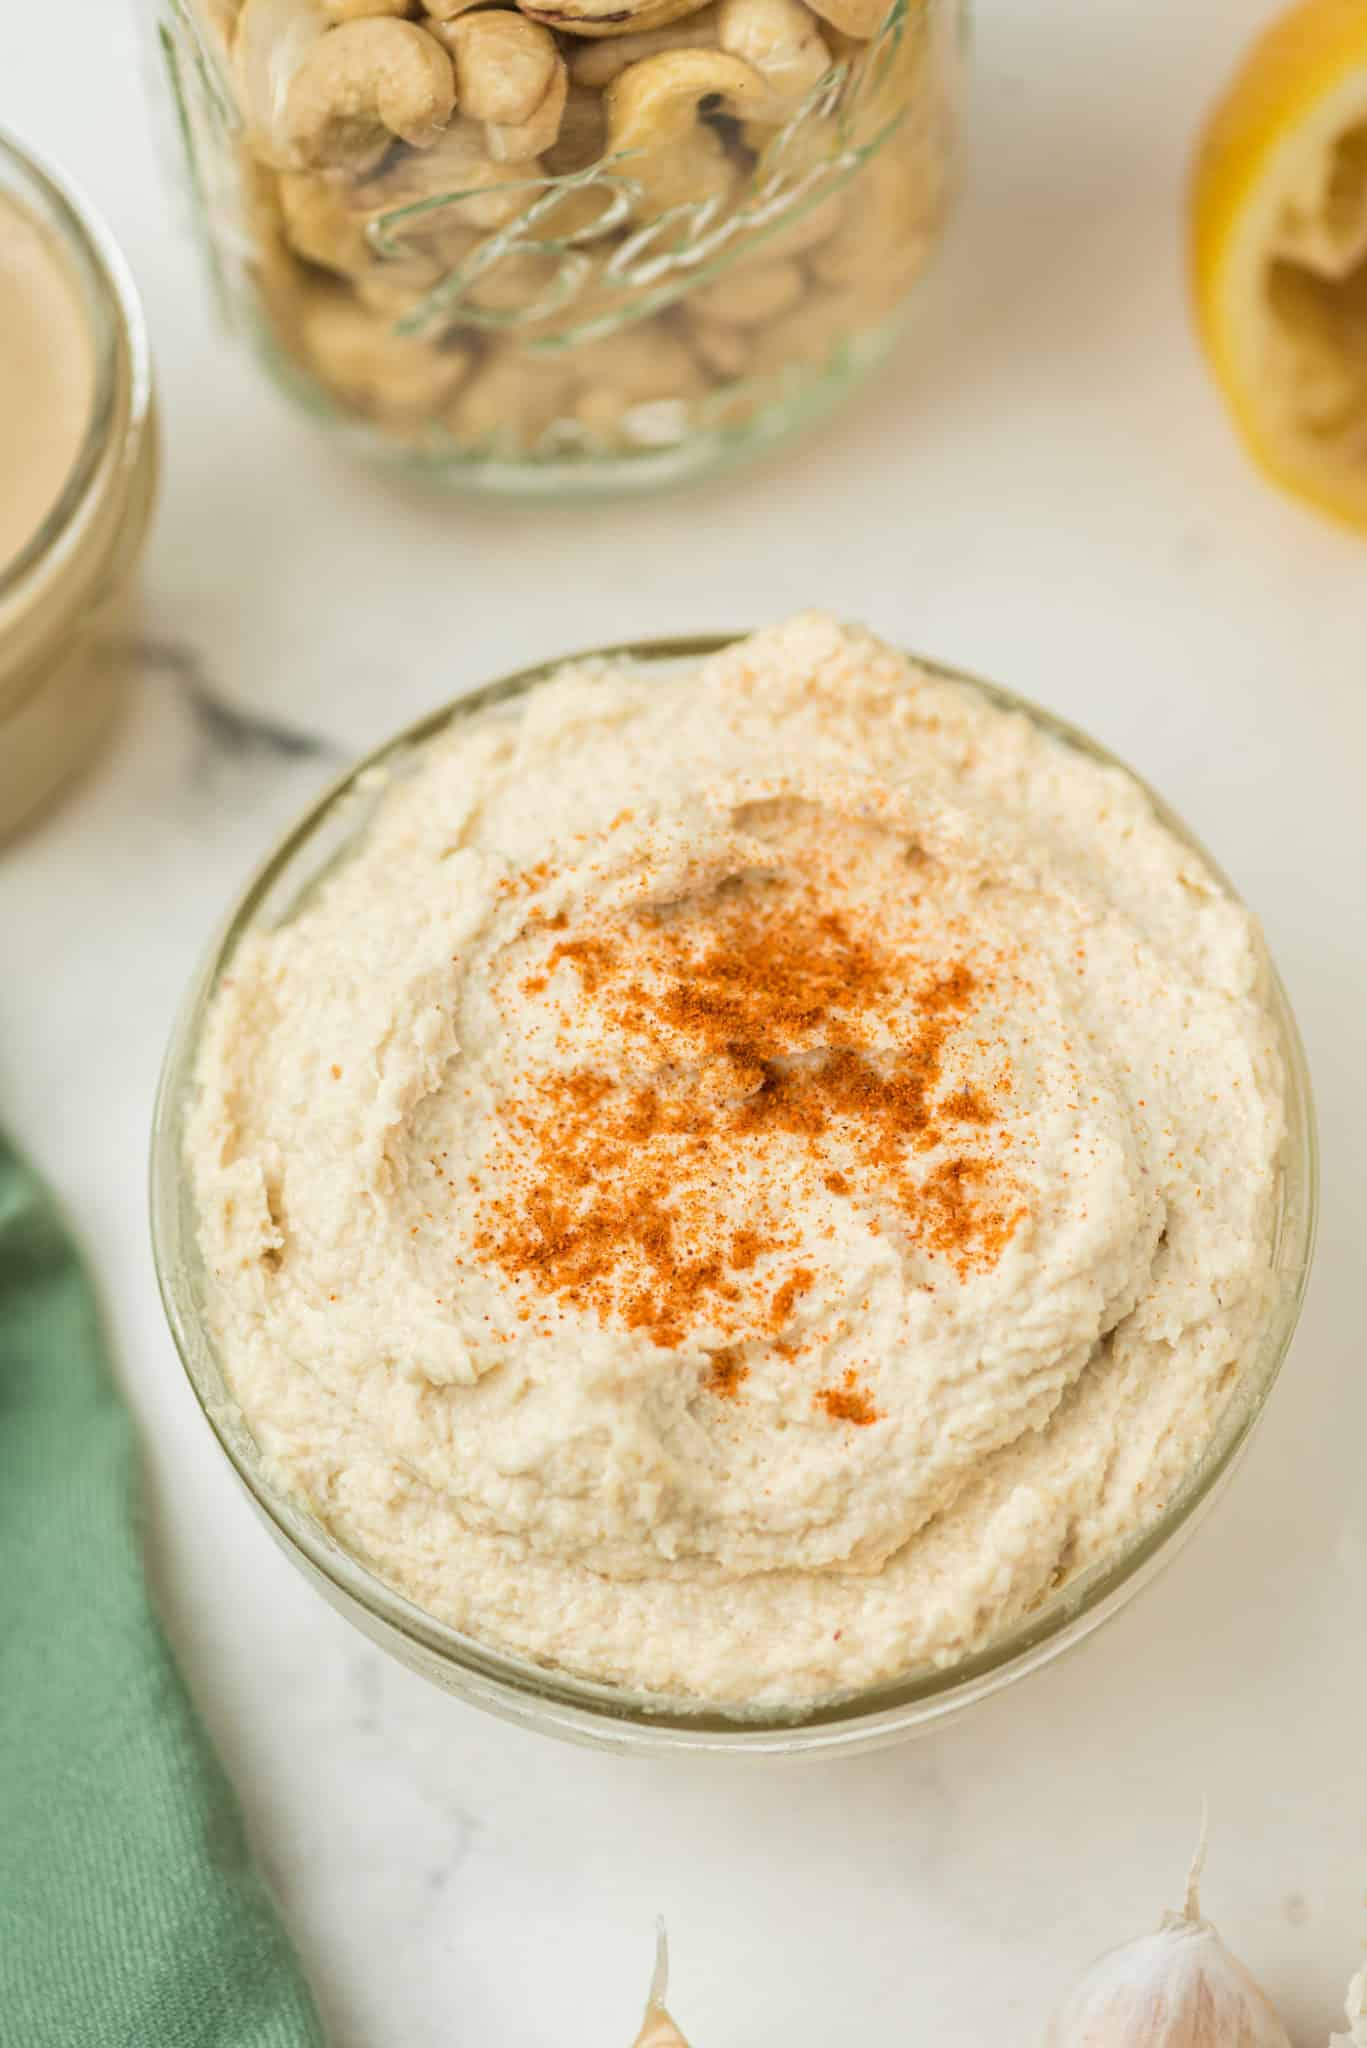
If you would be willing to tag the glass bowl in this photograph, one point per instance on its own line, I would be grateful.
(555, 1701)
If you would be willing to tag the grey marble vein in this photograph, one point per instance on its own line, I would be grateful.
(225, 729)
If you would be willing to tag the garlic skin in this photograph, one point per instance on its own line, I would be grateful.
(659, 2031)
(1178, 1988)
(657, 2028)
(1355, 2007)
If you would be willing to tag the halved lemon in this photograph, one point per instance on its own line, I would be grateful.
(1279, 252)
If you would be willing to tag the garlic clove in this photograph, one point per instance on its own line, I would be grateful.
(659, 2031)
(657, 2028)
(1177, 1988)
(1355, 2007)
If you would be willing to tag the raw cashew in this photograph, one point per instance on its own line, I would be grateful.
(275, 267)
(723, 351)
(360, 10)
(515, 142)
(808, 335)
(223, 20)
(751, 295)
(322, 223)
(808, 231)
(902, 79)
(657, 102)
(271, 41)
(515, 282)
(893, 204)
(860, 19)
(363, 85)
(386, 293)
(512, 399)
(598, 63)
(646, 365)
(326, 221)
(583, 131)
(503, 62)
(608, 17)
(474, 192)
(648, 360)
(653, 121)
(587, 211)
(367, 363)
(261, 206)
(447, 10)
(873, 259)
(780, 40)
(696, 169)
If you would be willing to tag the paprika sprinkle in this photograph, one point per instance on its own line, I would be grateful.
(766, 1040)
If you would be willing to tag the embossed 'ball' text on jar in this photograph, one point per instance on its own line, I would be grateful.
(571, 243)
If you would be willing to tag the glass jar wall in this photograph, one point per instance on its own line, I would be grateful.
(78, 462)
(574, 242)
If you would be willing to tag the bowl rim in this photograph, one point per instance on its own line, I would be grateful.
(578, 1707)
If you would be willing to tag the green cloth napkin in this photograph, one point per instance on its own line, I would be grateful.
(131, 1913)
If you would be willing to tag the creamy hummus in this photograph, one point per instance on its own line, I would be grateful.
(743, 1184)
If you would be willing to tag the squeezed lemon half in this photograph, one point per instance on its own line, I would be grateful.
(1278, 226)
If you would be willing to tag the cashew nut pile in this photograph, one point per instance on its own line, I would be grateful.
(579, 225)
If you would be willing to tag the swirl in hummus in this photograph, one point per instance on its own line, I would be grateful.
(742, 1184)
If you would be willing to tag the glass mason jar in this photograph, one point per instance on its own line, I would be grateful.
(65, 592)
(571, 243)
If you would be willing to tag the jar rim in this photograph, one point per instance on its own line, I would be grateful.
(122, 397)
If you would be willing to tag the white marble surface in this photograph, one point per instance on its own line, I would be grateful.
(1043, 488)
